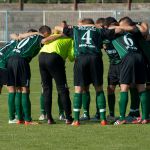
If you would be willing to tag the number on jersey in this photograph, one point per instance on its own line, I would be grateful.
(86, 37)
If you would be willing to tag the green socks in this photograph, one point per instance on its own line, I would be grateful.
(101, 103)
(42, 107)
(135, 102)
(86, 102)
(18, 105)
(144, 104)
(148, 101)
(77, 103)
(26, 106)
(111, 104)
(123, 104)
(11, 105)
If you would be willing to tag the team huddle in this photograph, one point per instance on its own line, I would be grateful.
(127, 45)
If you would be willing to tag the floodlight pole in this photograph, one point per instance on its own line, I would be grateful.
(129, 4)
(21, 3)
(75, 4)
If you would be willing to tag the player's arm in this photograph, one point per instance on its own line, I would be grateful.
(110, 33)
(71, 51)
(59, 28)
(51, 38)
(68, 31)
(148, 37)
(23, 35)
(144, 28)
(123, 28)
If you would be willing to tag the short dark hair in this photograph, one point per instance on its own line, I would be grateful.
(32, 30)
(87, 21)
(100, 20)
(43, 29)
(64, 21)
(110, 21)
(127, 20)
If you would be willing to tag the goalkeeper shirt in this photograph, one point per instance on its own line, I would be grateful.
(62, 46)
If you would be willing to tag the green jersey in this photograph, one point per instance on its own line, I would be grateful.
(28, 47)
(87, 39)
(112, 53)
(5, 52)
(145, 47)
(125, 44)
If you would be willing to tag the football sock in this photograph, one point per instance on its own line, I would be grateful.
(148, 95)
(123, 104)
(18, 105)
(60, 106)
(101, 102)
(29, 104)
(111, 104)
(135, 102)
(42, 106)
(97, 110)
(26, 106)
(11, 105)
(144, 104)
(77, 103)
(86, 102)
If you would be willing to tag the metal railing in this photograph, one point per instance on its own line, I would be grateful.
(21, 21)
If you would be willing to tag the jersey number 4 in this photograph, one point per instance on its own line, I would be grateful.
(86, 37)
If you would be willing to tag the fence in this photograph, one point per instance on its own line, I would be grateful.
(72, 1)
(21, 21)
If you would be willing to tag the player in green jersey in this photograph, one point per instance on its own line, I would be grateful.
(4, 53)
(86, 101)
(134, 115)
(19, 72)
(88, 66)
(132, 71)
(114, 70)
(145, 47)
(114, 75)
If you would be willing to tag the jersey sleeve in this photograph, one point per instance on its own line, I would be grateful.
(71, 52)
(108, 34)
(68, 31)
(137, 32)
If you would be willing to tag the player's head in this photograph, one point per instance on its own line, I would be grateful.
(45, 30)
(111, 21)
(63, 23)
(100, 23)
(54, 31)
(86, 21)
(32, 30)
(126, 21)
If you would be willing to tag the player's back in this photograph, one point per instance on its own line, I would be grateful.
(61, 46)
(5, 52)
(28, 47)
(87, 40)
(125, 43)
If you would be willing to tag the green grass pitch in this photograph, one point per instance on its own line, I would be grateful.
(90, 135)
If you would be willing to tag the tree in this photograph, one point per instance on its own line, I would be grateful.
(21, 3)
